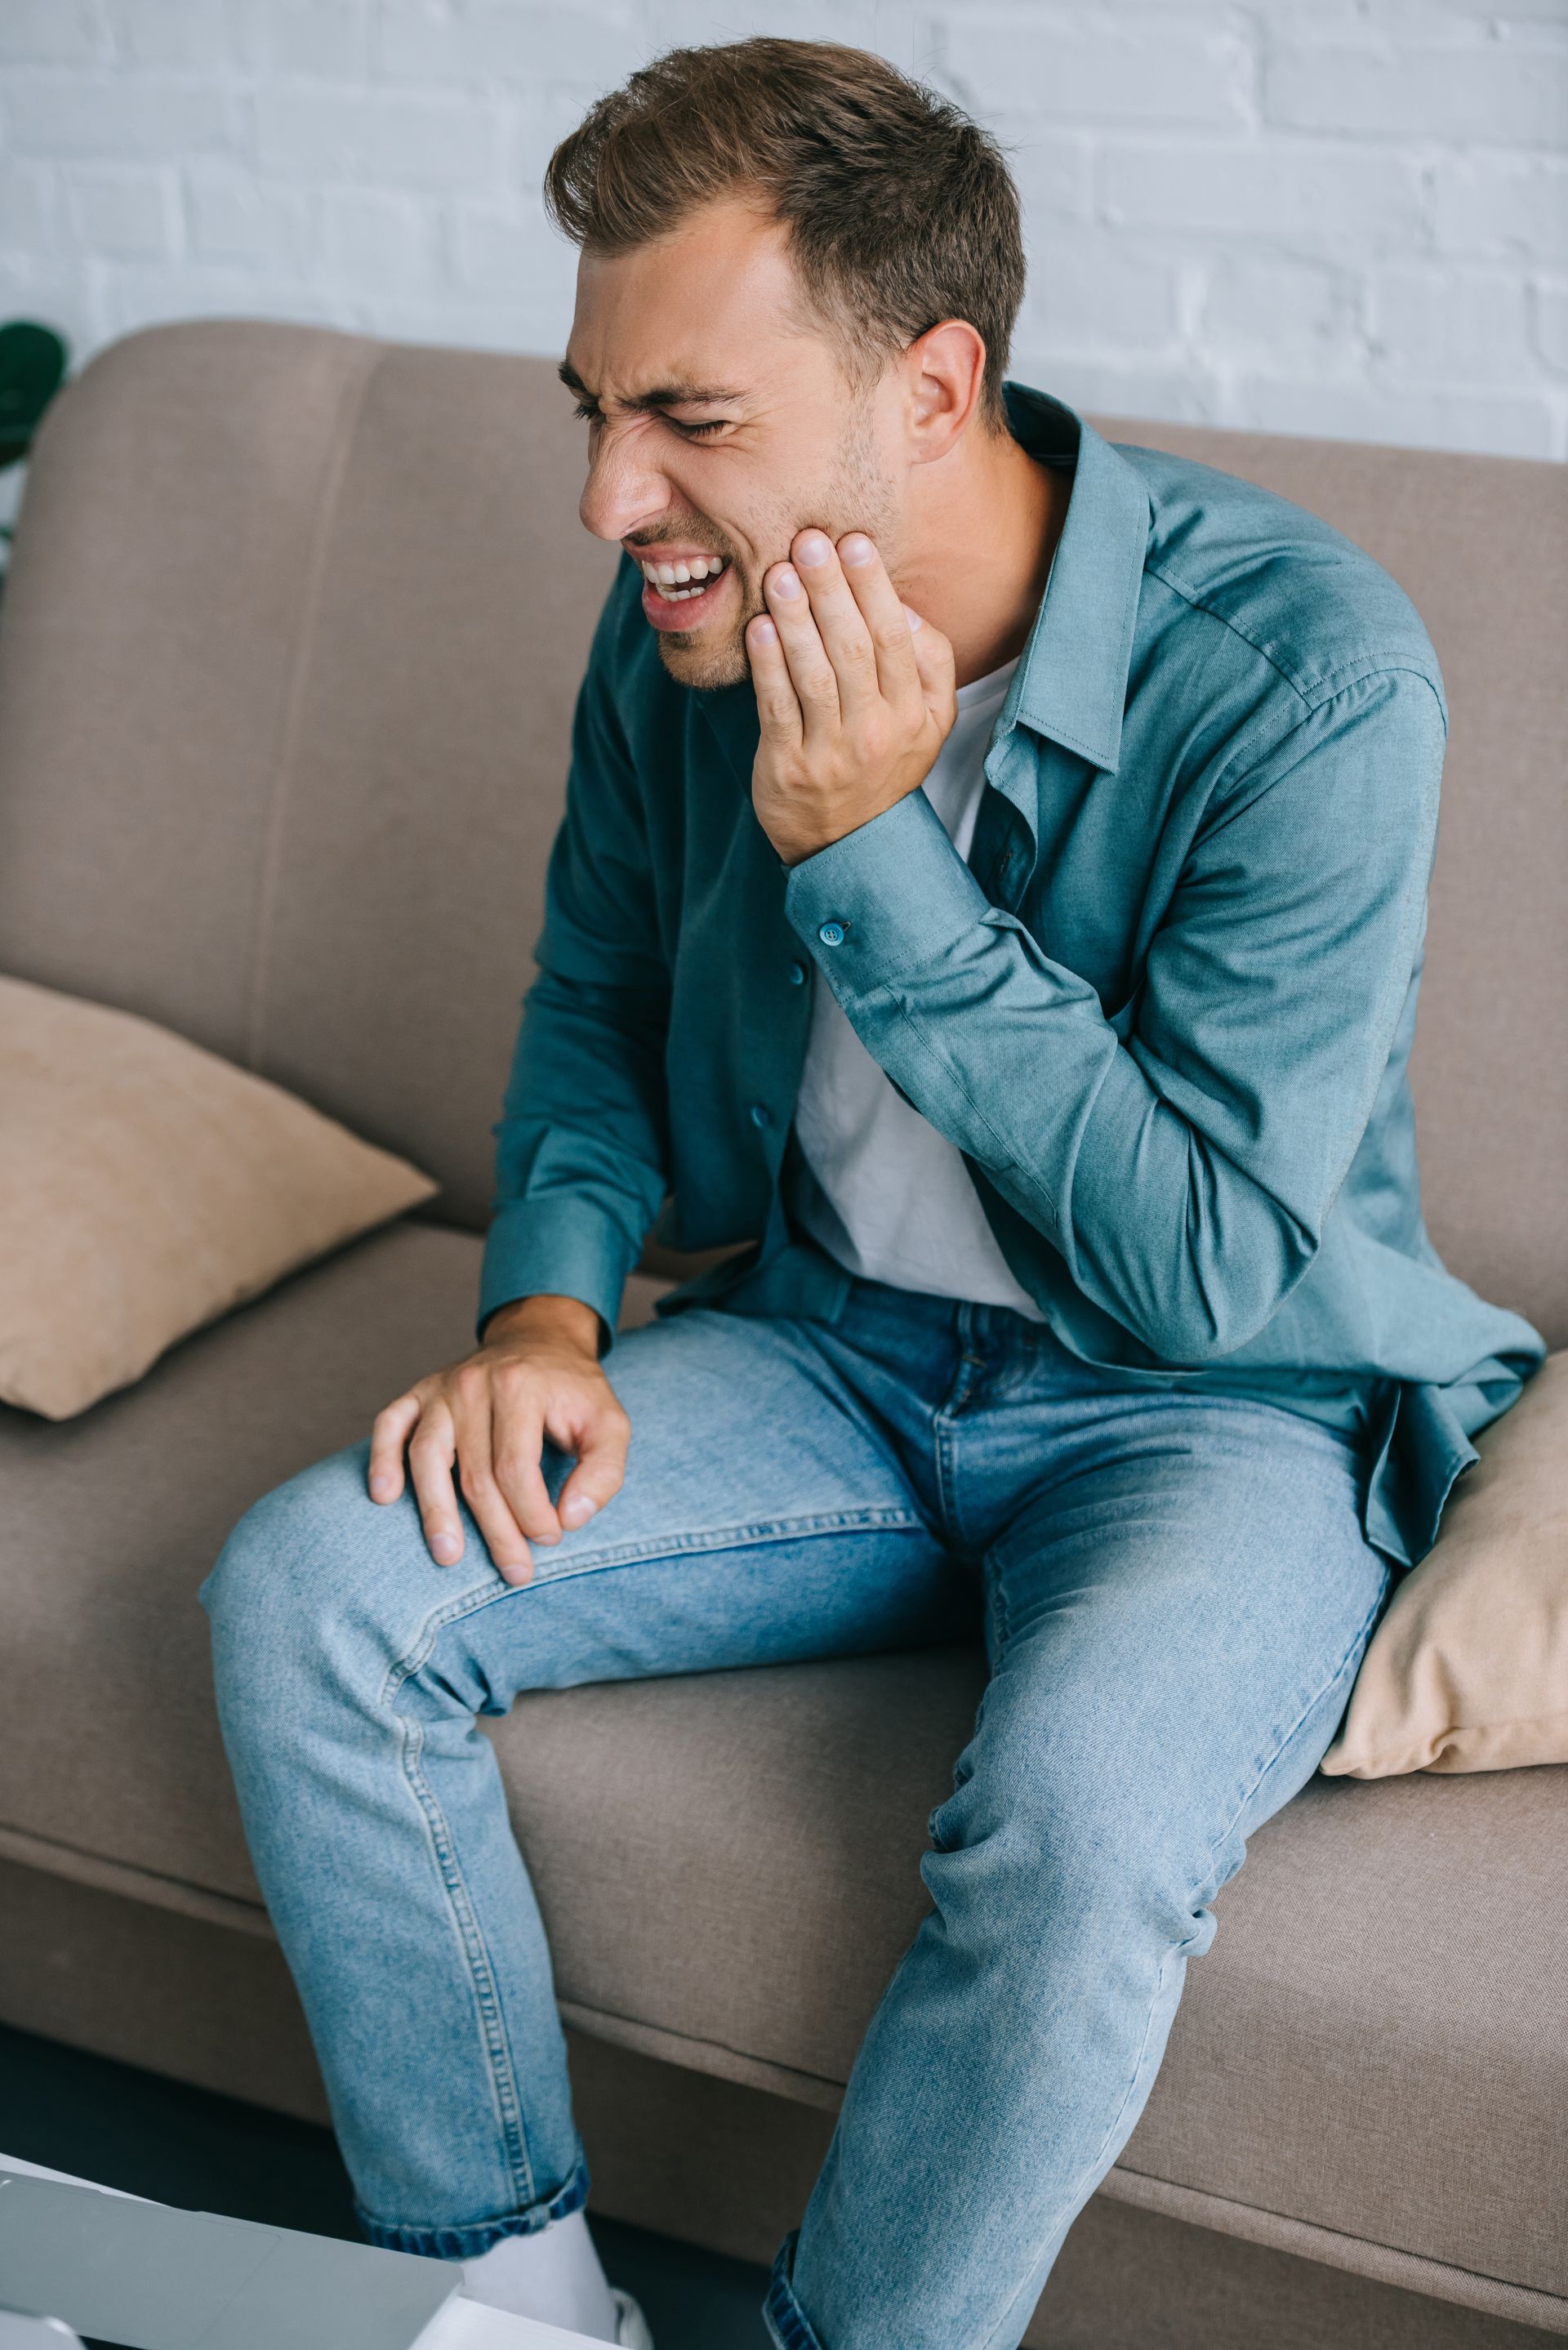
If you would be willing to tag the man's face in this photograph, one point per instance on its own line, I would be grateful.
(721, 422)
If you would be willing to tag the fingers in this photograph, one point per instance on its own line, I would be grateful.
(934, 662)
(886, 620)
(841, 627)
(389, 1431)
(778, 706)
(840, 638)
(811, 673)
(490, 1421)
(432, 1449)
(503, 1538)
(438, 1431)
(519, 1469)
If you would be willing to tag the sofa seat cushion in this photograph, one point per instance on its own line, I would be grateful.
(112, 1755)
(1376, 2045)
(114, 1518)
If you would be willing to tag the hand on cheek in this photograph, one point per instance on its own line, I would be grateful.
(855, 695)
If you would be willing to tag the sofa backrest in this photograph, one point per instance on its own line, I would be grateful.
(287, 659)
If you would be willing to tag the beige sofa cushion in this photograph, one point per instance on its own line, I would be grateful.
(1468, 1669)
(146, 1187)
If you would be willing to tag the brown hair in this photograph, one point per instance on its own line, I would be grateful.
(901, 209)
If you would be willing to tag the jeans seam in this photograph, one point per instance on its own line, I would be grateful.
(509, 2110)
(752, 1533)
(1266, 1762)
(941, 1448)
(508, 2102)
(786, 2320)
(468, 2242)
(1001, 1617)
(481, 1968)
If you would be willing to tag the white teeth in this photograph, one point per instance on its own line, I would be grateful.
(678, 582)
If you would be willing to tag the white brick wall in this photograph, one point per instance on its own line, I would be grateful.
(1338, 216)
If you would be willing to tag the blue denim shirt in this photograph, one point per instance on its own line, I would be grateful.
(1164, 1009)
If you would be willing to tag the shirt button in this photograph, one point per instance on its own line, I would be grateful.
(797, 974)
(760, 1114)
(832, 934)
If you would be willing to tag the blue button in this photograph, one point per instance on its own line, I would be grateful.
(797, 974)
(760, 1114)
(832, 934)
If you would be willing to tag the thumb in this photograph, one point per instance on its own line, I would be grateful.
(591, 1484)
(597, 1478)
(934, 661)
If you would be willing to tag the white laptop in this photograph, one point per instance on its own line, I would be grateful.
(81, 2261)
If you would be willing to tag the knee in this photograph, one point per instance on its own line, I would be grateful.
(291, 1567)
(1074, 1844)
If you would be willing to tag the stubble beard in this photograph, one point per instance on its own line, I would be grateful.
(856, 498)
(704, 659)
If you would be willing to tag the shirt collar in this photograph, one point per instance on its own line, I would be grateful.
(1072, 681)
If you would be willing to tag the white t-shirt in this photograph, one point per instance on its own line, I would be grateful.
(883, 1193)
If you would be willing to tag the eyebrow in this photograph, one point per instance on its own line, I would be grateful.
(669, 395)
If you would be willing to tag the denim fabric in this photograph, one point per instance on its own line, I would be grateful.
(1164, 1009)
(1174, 1590)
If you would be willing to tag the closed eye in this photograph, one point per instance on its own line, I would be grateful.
(588, 411)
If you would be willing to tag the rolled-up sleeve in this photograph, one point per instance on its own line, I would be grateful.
(1184, 1171)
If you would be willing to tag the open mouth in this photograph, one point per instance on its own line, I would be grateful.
(677, 595)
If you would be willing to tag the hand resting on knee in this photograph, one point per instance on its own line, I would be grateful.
(538, 1374)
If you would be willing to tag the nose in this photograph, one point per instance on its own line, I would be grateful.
(624, 491)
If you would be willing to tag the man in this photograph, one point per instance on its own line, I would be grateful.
(993, 887)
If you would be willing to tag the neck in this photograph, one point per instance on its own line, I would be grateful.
(978, 558)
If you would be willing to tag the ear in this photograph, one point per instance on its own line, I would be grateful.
(945, 375)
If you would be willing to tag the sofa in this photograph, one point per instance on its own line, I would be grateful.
(287, 658)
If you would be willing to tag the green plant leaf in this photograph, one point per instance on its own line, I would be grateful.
(32, 369)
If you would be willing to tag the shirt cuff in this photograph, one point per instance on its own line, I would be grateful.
(562, 1247)
(893, 893)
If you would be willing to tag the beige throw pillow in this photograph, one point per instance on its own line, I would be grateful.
(146, 1187)
(1468, 1669)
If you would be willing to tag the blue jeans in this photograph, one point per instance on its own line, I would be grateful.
(1175, 1593)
